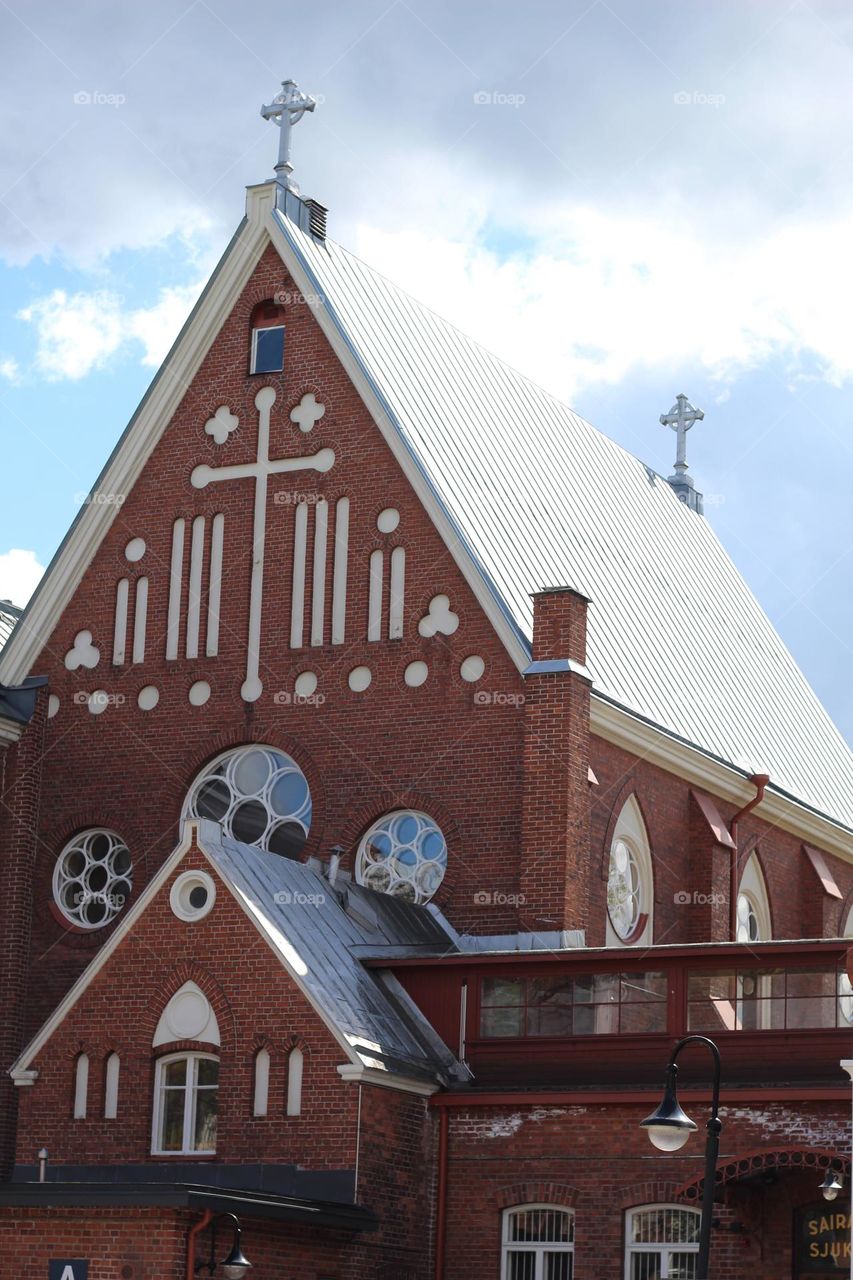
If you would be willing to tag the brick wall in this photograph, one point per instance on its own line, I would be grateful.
(597, 1161)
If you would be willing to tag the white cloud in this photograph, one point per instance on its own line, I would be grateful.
(612, 294)
(20, 573)
(77, 333)
(10, 369)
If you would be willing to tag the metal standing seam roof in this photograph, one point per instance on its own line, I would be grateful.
(308, 924)
(542, 498)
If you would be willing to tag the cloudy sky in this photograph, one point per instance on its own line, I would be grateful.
(626, 200)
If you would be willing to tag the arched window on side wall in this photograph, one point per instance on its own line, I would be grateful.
(630, 881)
(753, 905)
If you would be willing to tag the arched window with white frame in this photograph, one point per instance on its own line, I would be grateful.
(538, 1243)
(753, 905)
(185, 1104)
(661, 1242)
(630, 881)
(754, 991)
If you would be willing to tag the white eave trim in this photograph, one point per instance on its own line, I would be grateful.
(23, 1078)
(617, 725)
(361, 1074)
(133, 450)
(10, 732)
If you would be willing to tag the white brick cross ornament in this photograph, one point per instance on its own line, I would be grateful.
(307, 412)
(260, 470)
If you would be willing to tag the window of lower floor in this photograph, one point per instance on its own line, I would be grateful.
(538, 1243)
(661, 1243)
(185, 1098)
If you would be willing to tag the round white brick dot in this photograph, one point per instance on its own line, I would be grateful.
(148, 697)
(416, 674)
(360, 678)
(199, 693)
(52, 706)
(135, 549)
(387, 520)
(98, 702)
(306, 684)
(472, 668)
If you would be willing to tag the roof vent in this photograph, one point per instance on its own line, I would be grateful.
(316, 219)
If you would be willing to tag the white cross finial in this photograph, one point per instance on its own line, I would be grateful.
(681, 417)
(287, 109)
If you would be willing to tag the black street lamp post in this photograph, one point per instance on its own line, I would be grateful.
(669, 1128)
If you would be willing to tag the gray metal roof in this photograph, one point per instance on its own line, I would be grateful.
(9, 615)
(318, 933)
(543, 498)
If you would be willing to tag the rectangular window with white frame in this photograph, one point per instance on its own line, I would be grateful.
(185, 1104)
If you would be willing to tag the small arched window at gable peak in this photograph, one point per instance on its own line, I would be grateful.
(630, 880)
(267, 349)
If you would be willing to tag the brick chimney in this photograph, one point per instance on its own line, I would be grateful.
(555, 836)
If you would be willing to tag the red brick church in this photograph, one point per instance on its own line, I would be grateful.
(393, 770)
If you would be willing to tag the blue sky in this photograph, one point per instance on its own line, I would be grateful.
(625, 201)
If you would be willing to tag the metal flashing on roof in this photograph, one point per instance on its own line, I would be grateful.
(555, 666)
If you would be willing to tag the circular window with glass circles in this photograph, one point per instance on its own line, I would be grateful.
(92, 878)
(258, 795)
(403, 854)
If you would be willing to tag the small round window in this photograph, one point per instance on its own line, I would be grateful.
(624, 891)
(258, 795)
(92, 878)
(403, 854)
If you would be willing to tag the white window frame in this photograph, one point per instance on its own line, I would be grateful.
(192, 1060)
(630, 829)
(264, 328)
(664, 1249)
(537, 1247)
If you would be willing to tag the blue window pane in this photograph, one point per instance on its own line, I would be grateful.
(269, 350)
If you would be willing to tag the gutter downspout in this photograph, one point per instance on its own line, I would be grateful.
(195, 1231)
(441, 1195)
(760, 782)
